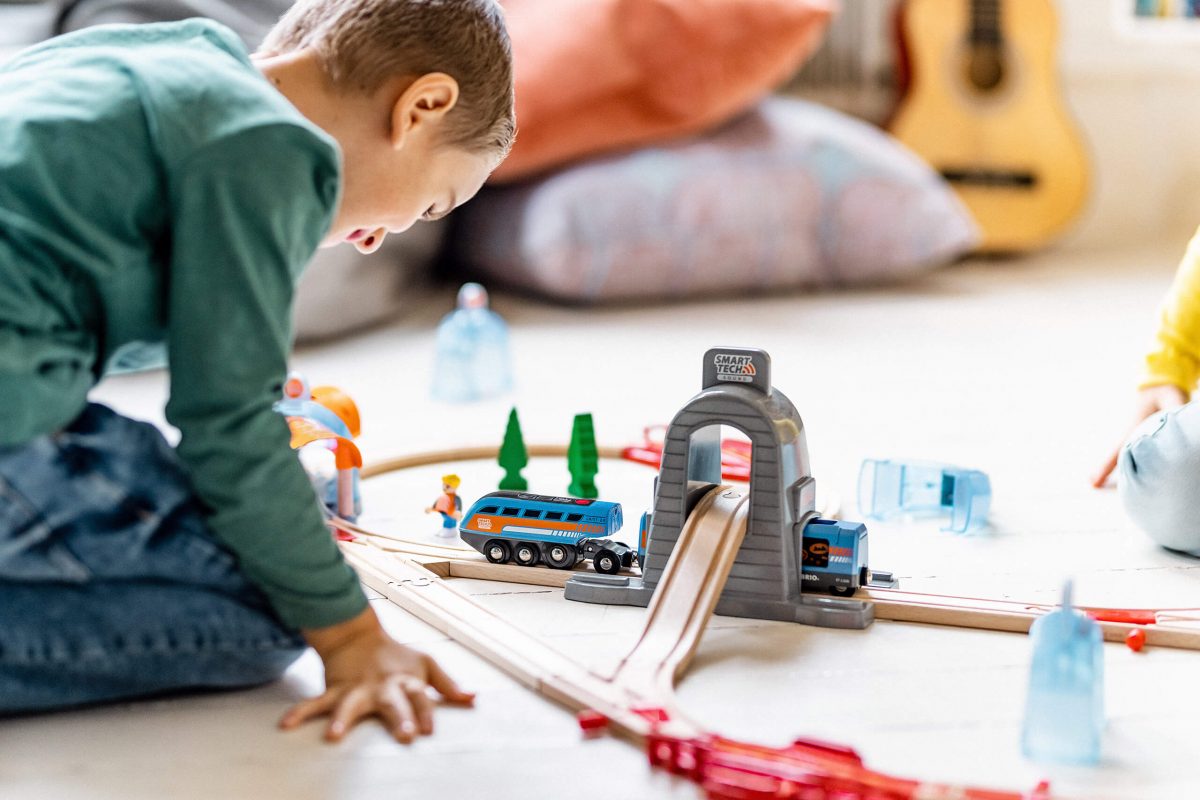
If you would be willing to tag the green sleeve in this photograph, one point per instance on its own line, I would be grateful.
(248, 215)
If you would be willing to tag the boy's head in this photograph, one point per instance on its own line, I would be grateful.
(419, 94)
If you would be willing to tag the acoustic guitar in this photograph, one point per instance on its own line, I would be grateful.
(982, 105)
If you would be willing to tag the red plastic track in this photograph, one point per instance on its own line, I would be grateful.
(735, 454)
(805, 770)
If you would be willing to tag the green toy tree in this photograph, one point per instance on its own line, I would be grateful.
(583, 461)
(513, 456)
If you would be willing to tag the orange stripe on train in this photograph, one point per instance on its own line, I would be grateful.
(545, 524)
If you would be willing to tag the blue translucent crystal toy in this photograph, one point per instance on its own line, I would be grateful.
(889, 488)
(1064, 710)
(472, 361)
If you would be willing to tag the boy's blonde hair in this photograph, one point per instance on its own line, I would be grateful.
(363, 43)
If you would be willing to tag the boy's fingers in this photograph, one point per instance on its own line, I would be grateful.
(397, 712)
(354, 705)
(307, 709)
(422, 704)
(445, 685)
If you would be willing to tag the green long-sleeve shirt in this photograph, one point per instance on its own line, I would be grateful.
(156, 190)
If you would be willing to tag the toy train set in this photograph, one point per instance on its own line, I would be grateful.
(556, 531)
(755, 551)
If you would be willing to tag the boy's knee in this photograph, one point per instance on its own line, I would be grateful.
(1157, 478)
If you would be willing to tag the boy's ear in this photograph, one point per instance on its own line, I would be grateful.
(426, 100)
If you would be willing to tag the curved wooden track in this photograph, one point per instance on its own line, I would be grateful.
(690, 586)
(471, 454)
(638, 699)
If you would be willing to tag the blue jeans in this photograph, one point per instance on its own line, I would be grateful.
(1158, 476)
(111, 584)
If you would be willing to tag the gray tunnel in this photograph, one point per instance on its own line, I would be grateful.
(765, 579)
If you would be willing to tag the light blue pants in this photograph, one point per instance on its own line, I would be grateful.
(1158, 476)
(111, 585)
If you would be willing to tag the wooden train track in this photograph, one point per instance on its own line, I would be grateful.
(638, 700)
(645, 677)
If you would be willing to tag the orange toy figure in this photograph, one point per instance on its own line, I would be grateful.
(449, 505)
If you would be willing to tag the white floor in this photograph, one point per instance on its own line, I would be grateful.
(1022, 368)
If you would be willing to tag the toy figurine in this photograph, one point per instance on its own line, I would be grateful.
(449, 505)
(472, 361)
(1064, 711)
(513, 456)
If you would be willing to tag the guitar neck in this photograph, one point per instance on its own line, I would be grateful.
(985, 23)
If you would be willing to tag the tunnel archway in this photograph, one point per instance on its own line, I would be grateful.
(764, 581)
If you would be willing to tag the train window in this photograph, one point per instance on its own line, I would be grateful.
(489, 510)
(816, 553)
(555, 515)
(574, 517)
(531, 512)
(511, 512)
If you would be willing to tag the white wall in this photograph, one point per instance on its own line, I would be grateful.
(1137, 96)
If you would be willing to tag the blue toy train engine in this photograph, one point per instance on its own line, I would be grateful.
(529, 529)
(833, 556)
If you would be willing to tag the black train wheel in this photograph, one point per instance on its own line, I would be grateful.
(606, 562)
(525, 554)
(496, 551)
(561, 556)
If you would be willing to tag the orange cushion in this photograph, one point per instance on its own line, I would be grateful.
(597, 75)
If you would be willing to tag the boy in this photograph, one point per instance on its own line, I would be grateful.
(159, 186)
(1158, 466)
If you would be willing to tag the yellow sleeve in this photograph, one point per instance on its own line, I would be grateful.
(1176, 357)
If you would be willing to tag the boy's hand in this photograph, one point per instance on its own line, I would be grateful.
(1150, 400)
(367, 673)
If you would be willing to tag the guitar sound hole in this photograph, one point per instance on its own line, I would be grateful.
(985, 67)
(990, 178)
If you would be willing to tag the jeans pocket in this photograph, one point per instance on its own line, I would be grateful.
(29, 549)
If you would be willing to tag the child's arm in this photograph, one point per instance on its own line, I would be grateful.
(248, 214)
(1174, 365)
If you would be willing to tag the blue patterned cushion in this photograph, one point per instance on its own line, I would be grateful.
(792, 195)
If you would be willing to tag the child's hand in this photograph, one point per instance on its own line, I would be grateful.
(367, 673)
(1150, 400)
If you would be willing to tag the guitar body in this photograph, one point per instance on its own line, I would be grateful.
(983, 108)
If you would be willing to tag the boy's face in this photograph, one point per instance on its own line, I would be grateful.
(395, 168)
(414, 185)
(398, 171)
